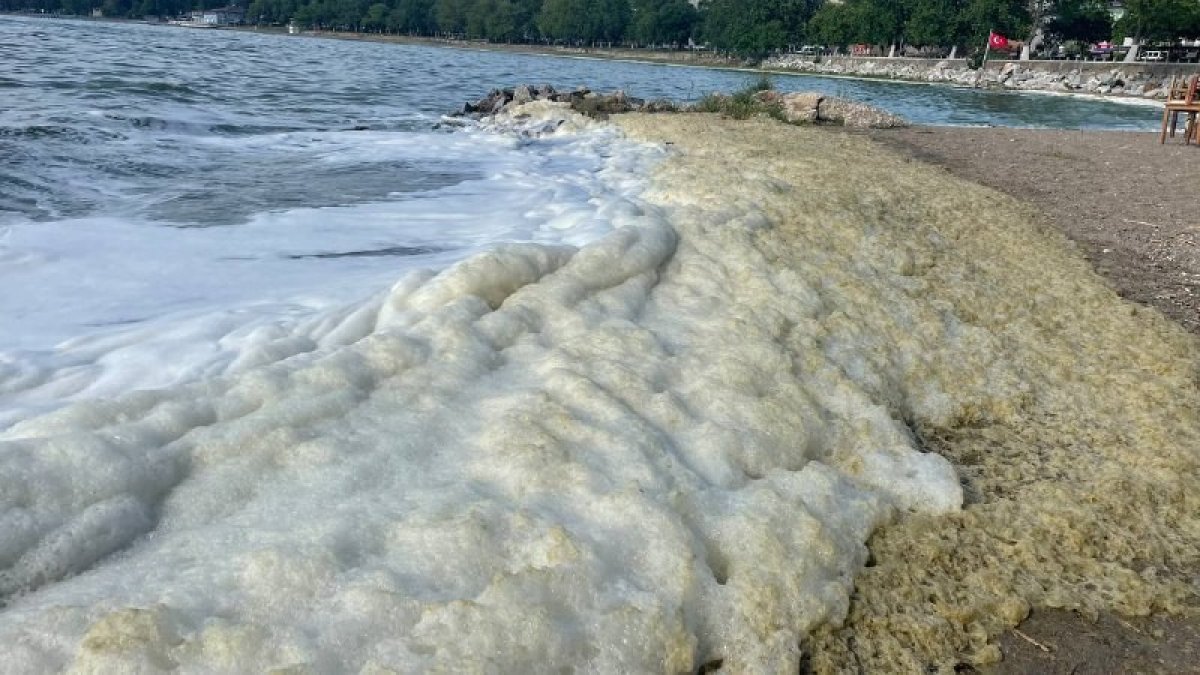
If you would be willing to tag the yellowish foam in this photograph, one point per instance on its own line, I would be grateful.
(1071, 416)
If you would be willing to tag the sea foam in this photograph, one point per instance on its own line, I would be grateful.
(637, 455)
(113, 303)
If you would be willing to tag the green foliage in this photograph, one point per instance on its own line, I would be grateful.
(1086, 20)
(754, 28)
(749, 28)
(1161, 20)
(743, 104)
(858, 21)
(584, 21)
(412, 16)
(662, 21)
(934, 22)
(1002, 16)
(376, 17)
(451, 16)
(760, 83)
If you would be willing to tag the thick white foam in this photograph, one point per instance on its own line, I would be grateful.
(108, 305)
(541, 458)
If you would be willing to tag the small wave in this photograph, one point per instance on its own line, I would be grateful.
(56, 132)
(251, 129)
(370, 253)
(176, 91)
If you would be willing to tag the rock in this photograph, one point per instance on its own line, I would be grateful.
(856, 115)
(522, 95)
(801, 107)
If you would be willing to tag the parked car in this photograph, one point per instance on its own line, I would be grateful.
(811, 50)
(1153, 55)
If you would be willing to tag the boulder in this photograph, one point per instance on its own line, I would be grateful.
(857, 115)
(801, 107)
(522, 94)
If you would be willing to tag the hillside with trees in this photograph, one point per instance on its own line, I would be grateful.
(748, 28)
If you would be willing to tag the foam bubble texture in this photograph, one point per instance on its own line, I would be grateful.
(645, 454)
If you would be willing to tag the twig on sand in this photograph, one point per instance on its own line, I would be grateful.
(1031, 641)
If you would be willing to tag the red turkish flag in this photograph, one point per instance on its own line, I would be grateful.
(997, 41)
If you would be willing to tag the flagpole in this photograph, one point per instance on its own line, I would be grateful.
(987, 49)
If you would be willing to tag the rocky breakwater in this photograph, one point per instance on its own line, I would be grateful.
(582, 100)
(815, 108)
(794, 108)
(1107, 79)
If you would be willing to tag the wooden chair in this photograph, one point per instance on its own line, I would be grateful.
(1181, 99)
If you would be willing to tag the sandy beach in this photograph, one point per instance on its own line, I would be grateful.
(1129, 205)
(1075, 501)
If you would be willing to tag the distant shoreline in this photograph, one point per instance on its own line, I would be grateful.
(697, 59)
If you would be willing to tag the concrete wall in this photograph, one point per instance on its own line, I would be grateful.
(1108, 78)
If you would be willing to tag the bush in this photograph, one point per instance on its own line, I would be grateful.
(743, 104)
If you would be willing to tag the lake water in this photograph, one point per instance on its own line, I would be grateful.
(258, 401)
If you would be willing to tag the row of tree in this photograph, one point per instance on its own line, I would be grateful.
(959, 22)
(746, 27)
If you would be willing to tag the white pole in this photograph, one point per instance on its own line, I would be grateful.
(987, 49)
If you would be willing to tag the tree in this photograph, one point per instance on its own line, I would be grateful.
(754, 28)
(376, 17)
(558, 20)
(934, 23)
(874, 22)
(584, 20)
(450, 16)
(981, 17)
(1161, 20)
(662, 21)
(1086, 20)
(412, 16)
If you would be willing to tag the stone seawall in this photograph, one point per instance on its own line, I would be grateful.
(1140, 80)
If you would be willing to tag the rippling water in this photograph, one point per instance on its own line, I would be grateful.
(153, 175)
(127, 119)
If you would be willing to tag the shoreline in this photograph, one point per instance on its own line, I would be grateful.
(706, 60)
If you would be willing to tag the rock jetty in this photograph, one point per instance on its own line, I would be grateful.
(817, 108)
(582, 100)
(795, 108)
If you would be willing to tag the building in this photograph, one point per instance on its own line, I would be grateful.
(222, 16)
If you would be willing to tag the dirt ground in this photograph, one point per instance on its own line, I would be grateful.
(1131, 204)
(1133, 208)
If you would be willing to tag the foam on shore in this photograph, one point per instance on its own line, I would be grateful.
(1072, 417)
(660, 449)
(625, 457)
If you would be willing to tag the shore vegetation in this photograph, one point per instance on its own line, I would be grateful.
(748, 29)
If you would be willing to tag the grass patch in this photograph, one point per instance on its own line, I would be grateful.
(745, 103)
